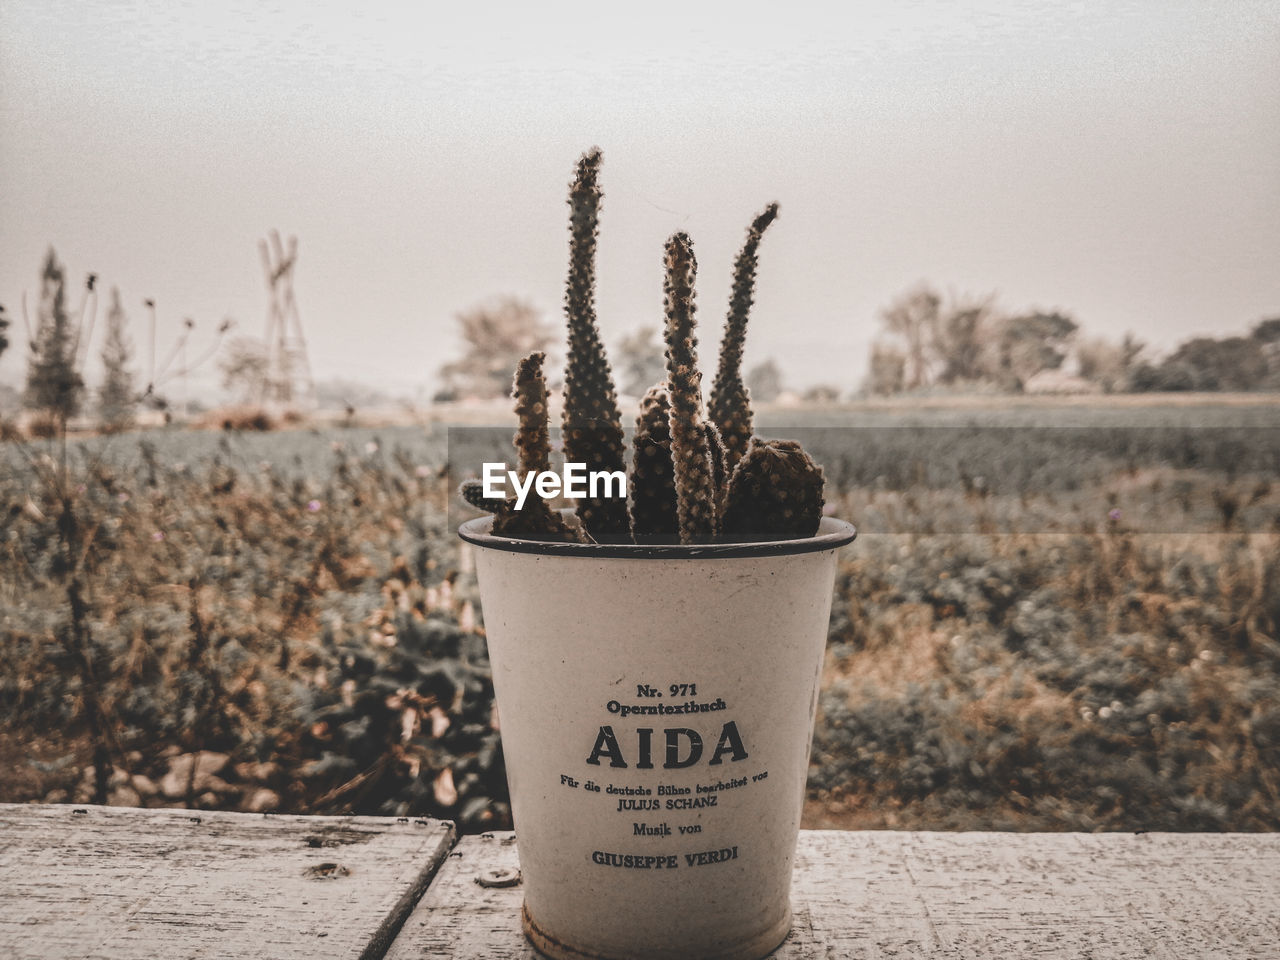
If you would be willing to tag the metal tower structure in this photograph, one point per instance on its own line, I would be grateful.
(287, 383)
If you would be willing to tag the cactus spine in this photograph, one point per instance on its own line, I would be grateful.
(591, 419)
(730, 404)
(690, 451)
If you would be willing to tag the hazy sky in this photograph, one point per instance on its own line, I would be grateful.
(1117, 161)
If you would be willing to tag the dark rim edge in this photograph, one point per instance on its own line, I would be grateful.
(838, 533)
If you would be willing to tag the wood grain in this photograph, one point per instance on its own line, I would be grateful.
(458, 917)
(954, 895)
(96, 883)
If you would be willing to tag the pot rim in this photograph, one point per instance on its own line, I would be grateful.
(832, 533)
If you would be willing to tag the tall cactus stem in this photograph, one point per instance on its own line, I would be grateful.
(690, 452)
(533, 439)
(730, 402)
(536, 520)
(592, 421)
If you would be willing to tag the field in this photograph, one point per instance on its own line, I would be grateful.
(1055, 617)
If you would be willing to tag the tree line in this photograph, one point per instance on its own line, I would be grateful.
(968, 342)
(926, 342)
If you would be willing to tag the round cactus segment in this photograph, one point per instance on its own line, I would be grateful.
(775, 493)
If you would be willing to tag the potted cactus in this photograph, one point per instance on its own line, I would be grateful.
(656, 656)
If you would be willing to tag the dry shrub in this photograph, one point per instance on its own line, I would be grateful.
(249, 419)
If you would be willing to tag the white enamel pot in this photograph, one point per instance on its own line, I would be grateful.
(657, 707)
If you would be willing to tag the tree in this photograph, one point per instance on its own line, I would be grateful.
(1110, 365)
(497, 336)
(1264, 331)
(1102, 362)
(1152, 377)
(244, 368)
(764, 380)
(54, 386)
(1133, 350)
(1030, 343)
(1204, 363)
(9, 397)
(641, 361)
(1234, 363)
(116, 397)
(913, 319)
(960, 338)
(887, 372)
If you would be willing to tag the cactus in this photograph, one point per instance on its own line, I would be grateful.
(652, 485)
(472, 491)
(591, 419)
(690, 452)
(533, 439)
(694, 479)
(775, 493)
(730, 405)
(654, 514)
(536, 521)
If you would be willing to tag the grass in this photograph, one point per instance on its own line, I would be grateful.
(1055, 617)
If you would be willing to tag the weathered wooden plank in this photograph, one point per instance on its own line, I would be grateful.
(97, 883)
(955, 895)
(971, 895)
(459, 917)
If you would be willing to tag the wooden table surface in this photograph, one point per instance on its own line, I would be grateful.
(96, 883)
